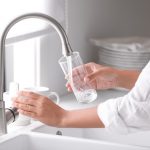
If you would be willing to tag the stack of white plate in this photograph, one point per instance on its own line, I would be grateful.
(125, 53)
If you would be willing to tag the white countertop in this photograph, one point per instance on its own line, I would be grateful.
(69, 101)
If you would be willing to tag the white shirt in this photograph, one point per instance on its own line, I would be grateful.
(131, 112)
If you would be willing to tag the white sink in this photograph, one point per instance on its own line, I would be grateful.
(96, 134)
(138, 139)
(38, 141)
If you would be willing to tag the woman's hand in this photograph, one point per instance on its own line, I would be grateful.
(99, 77)
(43, 109)
(104, 77)
(39, 107)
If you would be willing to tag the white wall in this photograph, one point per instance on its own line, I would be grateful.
(106, 18)
(51, 73)
(94, 18)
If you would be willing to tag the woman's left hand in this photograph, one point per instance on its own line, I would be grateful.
(39, 107)
(43, 109)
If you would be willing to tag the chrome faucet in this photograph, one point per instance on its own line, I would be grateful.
(7, 114)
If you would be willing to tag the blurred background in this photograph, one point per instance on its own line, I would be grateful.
(33, 47)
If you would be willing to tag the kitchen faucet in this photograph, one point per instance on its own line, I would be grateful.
(10, 113)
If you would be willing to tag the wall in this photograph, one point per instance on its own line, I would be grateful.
(94, 18)
(51, 73)
(105, 18)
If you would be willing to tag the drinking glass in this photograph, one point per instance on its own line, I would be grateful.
(75, 72)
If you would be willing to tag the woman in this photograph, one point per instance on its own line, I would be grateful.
(124, 114)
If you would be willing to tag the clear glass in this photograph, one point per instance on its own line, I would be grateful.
(75, 72)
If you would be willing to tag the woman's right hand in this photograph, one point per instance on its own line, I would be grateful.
(99, 77)
(104, 77)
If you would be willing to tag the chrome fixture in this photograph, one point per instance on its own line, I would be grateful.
(6, 115)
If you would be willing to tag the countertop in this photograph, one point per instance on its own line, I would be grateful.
(69, 101)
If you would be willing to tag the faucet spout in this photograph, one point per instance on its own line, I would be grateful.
(66, 51)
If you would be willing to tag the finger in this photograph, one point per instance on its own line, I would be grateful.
(69, 89)
(27, 113)
(94, 75)
(92, 66)
(74, 74)
(28, 94)
(68, 86)
(24, 100)
(90, 77)
(25, 107)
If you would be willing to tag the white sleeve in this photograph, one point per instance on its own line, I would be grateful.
(131, 112)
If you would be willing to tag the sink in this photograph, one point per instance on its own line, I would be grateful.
(138, 139)
(39, 141)
(72, 132)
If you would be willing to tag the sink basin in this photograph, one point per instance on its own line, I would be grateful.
(138, 139)
(38, 141)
